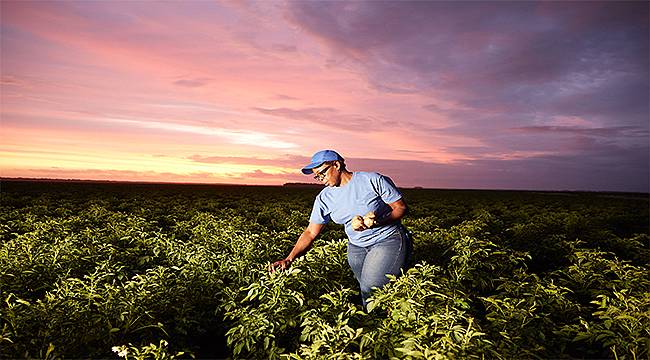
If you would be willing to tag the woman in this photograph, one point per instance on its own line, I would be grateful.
(378, 243)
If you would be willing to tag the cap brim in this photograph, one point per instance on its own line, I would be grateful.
(309, 169)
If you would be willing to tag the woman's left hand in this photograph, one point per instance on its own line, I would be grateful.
(363, 223)
(357, 223)
(369, 219)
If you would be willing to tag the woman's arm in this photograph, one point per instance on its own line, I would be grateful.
(303, 244)
(398, 211)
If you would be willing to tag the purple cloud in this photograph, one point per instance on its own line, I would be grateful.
(511, 68)
(486, 51)
(615, 131)
(560, 172)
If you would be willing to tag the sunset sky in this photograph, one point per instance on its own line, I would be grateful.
(486, 95)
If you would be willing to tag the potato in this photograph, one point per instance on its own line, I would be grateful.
(369, 219)
(357, 223)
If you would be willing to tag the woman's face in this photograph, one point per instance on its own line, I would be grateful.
(327, 174)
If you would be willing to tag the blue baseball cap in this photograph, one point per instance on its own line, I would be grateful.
(319, 158)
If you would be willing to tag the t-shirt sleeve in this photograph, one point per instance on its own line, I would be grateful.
(387, 189)
(319, 213)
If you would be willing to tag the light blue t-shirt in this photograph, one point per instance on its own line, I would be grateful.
(366, 191)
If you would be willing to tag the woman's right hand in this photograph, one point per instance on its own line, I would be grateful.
(280, 265)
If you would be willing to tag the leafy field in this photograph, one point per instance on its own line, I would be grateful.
(109, 270)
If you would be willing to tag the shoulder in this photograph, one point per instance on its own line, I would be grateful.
(363, 175)
(372, 177)
(377, 182)
(382, 184)
(324, 194)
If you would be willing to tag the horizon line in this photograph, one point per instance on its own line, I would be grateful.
(145, 182)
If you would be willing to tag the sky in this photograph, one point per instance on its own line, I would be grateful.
(482, 95)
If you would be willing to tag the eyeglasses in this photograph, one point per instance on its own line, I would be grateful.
(320, 175)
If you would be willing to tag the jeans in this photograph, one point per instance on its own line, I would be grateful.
(371, 264)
